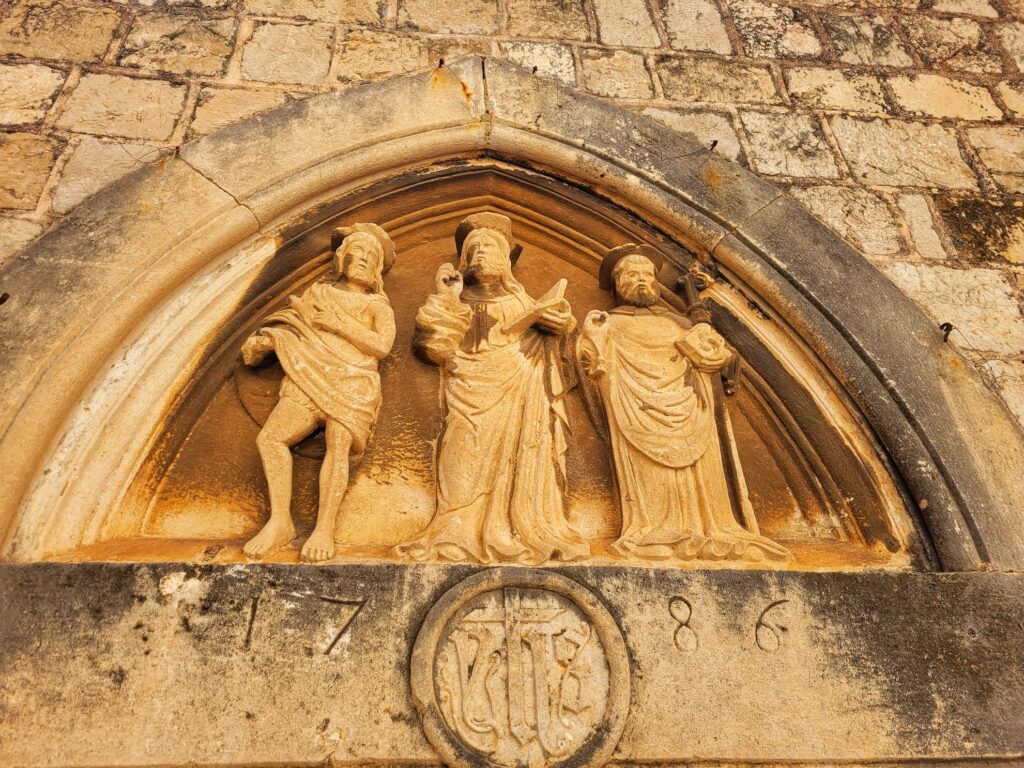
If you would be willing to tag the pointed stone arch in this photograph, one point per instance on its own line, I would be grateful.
(97, 302)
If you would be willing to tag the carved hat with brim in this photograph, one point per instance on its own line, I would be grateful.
(494, 221)
(618, 253)
(387, 245)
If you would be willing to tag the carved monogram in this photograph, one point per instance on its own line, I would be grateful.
(521, 677)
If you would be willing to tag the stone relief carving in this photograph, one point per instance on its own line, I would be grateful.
(520, 667)
(329, 341)
(501, 456)
(653, 376)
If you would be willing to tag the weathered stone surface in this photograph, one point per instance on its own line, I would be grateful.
(980, 302)
(27, 91)
(1001, 149)
(835, 89)
(954, 43)
(15, 234)
(692, 79)
(938, 96)
(1009, 377)
(1012, 95)
(183, 44)
(365, 55)
(25, 163)
(984, 230)
(474, 17)
(1012, 37)
(625, 22)
(918, 216)
(57, 30)
(174, 659)
(288, 53)
(856, 215)
(695, 25)
(706, 127)
(773, 30)
(110, 105)
(335, 11)
(619, 73)
(95, 163)
(556, 19)
(218, 107)
(548, 58)
(788, 145)
(981, 8)
(902, 153)
(866, 40)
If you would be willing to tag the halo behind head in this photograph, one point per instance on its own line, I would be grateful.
(387, 245)
(488, 220)
(618, 253)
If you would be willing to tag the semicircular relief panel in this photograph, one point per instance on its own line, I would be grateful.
(814, 490)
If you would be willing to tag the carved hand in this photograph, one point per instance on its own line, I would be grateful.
(256, 348)
(558, 320)
(448, 281)
(596, 326)
(324, 320)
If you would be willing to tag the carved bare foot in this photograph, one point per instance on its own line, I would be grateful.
(274, 535)
(319, 546)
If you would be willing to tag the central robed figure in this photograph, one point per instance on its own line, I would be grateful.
(501, 459)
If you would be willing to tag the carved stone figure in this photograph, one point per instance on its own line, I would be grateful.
(329, 341)
(501, 458)
(680, 483)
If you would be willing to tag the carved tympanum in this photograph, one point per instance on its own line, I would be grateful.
(659, 400)
(329, 341)
(501, 461)
(520, 668)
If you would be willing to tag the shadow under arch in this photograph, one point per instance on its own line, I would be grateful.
(96, 356)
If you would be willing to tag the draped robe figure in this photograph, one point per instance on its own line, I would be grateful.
(653, 372)
(501, 457)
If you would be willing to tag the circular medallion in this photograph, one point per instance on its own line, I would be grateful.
(521, 667)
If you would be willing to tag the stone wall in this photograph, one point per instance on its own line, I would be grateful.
(899, 126)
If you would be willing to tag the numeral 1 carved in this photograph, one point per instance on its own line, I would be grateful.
(769, 633)
(684, 637)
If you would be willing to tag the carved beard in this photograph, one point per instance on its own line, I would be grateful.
(637, 295)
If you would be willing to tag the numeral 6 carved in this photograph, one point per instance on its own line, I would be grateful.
(768, 633)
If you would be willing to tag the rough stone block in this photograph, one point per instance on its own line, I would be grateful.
(15, 234)
(788, 145)
(95, 163)
(53, 29)
(25, 163)
(979, 302)
(288, 53)
(183, 44)
(706, 127)
(902, 153)
(918, 216)
(1012, 37)
(556, 19)
(686, 78)
(1009, 376)
(471, 17)
(365, 55)
(774, 30)
(984, 230)
(937, 96)
(336, 11)
(110, 105)
(218, 107)
(695, 25)
(548, 59)
(26, 92)
(835, 89)
(955, 43)
(616, 73)
(981, 8)
(1012, 95)
(625, 22)
(1001, 149)
(856, 215)
(866, 40)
